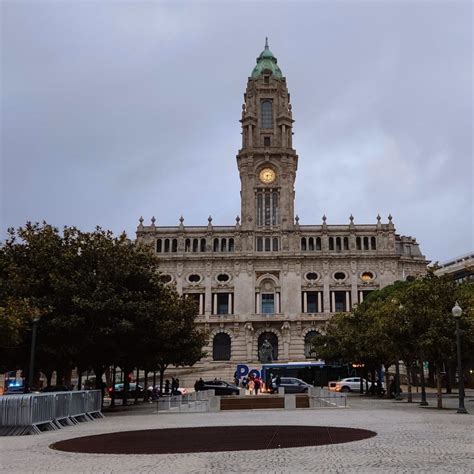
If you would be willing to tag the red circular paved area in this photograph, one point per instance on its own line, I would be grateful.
(211, 439)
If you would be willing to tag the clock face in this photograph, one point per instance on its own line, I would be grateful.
(267, 175)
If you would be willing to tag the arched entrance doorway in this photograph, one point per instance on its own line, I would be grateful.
(221, 346)
(308, 344)
(272, 339)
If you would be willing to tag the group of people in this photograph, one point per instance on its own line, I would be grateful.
(199, 385)
(255, 384)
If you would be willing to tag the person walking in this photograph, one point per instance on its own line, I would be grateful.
(256, 385)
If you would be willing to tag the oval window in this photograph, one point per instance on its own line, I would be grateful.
(223, 277)
(339, 276)
(312, 276)
(194, 278)
(165, 278)
(367, 276)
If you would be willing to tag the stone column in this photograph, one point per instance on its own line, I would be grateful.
(348, 301)
(214, 308)
(320, 307)
(230, 304)
(201, 303)
(305, 301)
(277, 303)
(258, 304)
(326, 294)
(333, 301)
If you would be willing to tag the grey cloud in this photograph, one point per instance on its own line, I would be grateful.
(114, 110)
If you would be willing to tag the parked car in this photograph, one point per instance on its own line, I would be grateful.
(119, 390)
(293, 385)
(221, 387)
(15, 390)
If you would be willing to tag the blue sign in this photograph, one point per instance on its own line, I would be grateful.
(245, 371)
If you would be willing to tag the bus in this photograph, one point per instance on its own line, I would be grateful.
(318, 373)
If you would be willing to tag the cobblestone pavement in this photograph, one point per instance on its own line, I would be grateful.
(410, 439)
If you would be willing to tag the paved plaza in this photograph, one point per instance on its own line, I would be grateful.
(409, 439)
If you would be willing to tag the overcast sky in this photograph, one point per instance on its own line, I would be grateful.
(114, 110)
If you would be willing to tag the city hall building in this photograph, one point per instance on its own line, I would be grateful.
(266, 275)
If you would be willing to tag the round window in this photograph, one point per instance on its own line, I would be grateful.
(339, 276)
(223, 277)
(194, 278)
(312, 276)
(165, 278)
(367, 276)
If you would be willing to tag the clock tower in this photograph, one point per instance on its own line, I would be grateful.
(267, 162)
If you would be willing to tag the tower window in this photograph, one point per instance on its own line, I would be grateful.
(266, 141)
(267, 114)
(266, 80)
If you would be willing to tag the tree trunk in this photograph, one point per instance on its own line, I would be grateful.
(387, 381)
(439, 392)
(79, 378)
(126, 385)
(49, 375)
(431, 374)
(409, 376)
(99, 385)
(448, 377)
(136, 386)
(114, 381)
(145, 386)
(154, 378)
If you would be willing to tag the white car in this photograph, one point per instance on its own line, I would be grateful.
(351, 384)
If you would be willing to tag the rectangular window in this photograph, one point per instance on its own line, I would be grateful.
(340, 301)
(268, 303)
(266, 141)
(222, 304)
(312, 301)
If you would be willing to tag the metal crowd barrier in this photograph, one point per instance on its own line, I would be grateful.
(32, 413)
(193, 402)
(322, 397)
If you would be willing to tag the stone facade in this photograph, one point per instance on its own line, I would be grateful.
(268, 276)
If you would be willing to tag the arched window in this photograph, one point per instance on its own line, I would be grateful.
(216, 245)
(167, 245)
(259, 244)
(275, 244)
(268, 244)
(303, 244)
(358, 243)
(221, 346)
(346, 243)
(231, 245)
(275, 208)
(366, 243)
(158, 246)
(331, 243)
(223, 245)
(338, 244)
(272, 339)
(203, 245)
(373, 243)
(308, 344)
(259, 209)
(318, 243)
(187, 245)
(195, 245)
(174, 245)
(311, 244)
(267, 114)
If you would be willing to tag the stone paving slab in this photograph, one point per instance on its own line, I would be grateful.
(410, 439)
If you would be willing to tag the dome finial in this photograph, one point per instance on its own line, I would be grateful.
(266, 42)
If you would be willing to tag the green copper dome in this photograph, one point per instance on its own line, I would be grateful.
(266, 62)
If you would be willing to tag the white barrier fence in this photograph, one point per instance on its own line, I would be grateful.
(192, 402)
(26, 414)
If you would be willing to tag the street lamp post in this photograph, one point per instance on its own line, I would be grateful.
(32, 353)
(457, 311)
